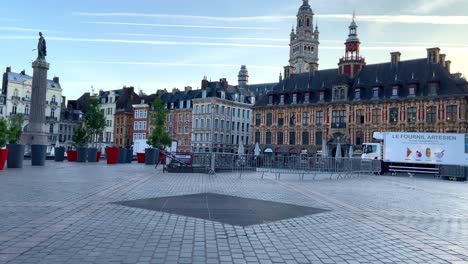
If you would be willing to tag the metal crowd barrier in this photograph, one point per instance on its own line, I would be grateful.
(453, 172)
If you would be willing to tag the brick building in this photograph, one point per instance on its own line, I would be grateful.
(346, 105)
(123, 118)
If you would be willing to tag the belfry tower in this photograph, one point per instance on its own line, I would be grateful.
(352, 62)
(304, 45)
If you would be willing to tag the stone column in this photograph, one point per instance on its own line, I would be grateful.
(36, 138)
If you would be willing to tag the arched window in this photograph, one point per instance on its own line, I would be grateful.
(196, 122)
(52, 113)
(308, 22)
(54, 99)
(202, 123)
(26, 110)
(14, 109)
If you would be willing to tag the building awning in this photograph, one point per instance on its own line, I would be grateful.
(293, 151)
(278, 150)
(304, 151)
(268, 150)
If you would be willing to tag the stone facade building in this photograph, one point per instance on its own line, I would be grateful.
(108, 101)
(16, 99)
(346, 105)
(70, 119)
(123, 119)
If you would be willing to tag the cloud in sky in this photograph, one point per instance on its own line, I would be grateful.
(174, 25)
(197, 37)
(426, 7)
(404, 19)
(21, 29)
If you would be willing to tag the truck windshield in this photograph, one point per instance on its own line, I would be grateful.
(367, 149)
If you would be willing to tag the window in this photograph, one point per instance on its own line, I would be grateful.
(26, 109)
(357, 94)
(393, 115)
(14, 109)
(222, 124)
(395, 91)
(360, 118)
(322, 96)
(179, 117)
(238, 127)
(433, 89)
(292, 138)
(339, 93)
(258, 119)
(202, 123)
(282, 99)
(431, 114)
(376, 114)
(279, 138)
(270, 99)
(196, 123)
(248, 128)
(257, 137)
(243, 126)
(280, 119)
(269, 120)
(375, 92)
(305, 138)
(292, 119)
(305, 118)
(179, 130)
(51, 128)
(197, 109)
(412, 115)
(412, 90)
(294, 99)
(54, 99)
(238, 113)
(319, 118)
(339, 118)
(208, 123)
(216, 123)
(268, 138)
(186, 130)
(243, 113)
(52, 113)
(202, 109)
(359, 138)
(187, 116)
(318, 138)
(451, 113)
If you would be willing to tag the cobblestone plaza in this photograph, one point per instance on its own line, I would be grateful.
(70, 213)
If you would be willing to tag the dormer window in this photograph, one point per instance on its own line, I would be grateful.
(339, 94)
(322, 96)
(223, 95)
(357, 94)
(282, 99)
(294, 99)
(306, 98)
(433, 87)
(270, 99)
(395, 91)
(375, 92)
(412, 91)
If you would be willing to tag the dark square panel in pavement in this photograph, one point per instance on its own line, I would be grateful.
(224, 208)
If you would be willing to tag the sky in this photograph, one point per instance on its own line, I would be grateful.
(157, 44)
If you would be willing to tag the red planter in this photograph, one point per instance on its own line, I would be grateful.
(112, 155)
(72, 155)
(3, 158)
(98, 157)
(141, 157)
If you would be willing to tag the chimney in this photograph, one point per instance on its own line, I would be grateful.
(175, 90)
(188, 88)
(448, 65)
(288, 71)
(313, 67)
(8, 69)
(442, 59)
(204, 83)
(395, 58)
(56, 80)
(23, 72)
(433, 55)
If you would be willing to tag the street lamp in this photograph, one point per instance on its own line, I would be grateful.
(212, 169)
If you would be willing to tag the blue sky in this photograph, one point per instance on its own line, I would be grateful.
(156, 44)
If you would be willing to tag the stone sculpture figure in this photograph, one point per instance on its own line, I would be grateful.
(41, 48)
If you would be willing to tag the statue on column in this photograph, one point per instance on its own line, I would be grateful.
(41, 48)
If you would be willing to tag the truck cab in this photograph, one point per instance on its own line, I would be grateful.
(372, 151)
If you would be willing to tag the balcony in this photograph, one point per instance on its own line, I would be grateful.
(51, 119)
(26, 99)
(338, 125)
(54, 103)
(15, 98)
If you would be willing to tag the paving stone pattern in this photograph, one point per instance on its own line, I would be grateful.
(67, 213)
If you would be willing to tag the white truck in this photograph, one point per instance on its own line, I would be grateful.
(422, 151)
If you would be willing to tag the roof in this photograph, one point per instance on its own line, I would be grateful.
(261, 89)
(24, 78)
(383, 75)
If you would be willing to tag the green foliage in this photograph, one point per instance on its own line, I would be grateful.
(3, 132)
(81, 138)
(15, 128)
(159, 138)
(95, 120)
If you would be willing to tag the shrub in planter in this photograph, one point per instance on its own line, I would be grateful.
(3, 142)
(95, 122)
(122, 155)
(159, 139)
(15, 150)
(59, 154)
(80, 140)
(129, 158)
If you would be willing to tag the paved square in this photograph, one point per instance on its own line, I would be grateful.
(67, 213)
(224, 208)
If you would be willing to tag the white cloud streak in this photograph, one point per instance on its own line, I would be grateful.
(402, 19)
(20, 29)
(426, 7)
(170, 64)
(285, 40)
(175, 25)
(223, 44)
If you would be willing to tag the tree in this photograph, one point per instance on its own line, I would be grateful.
(159, 138)
(16, 128)
(80, 137)
(95, 120)
(3, 132)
